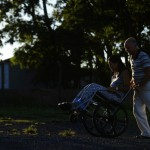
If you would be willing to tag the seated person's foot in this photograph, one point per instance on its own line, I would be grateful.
(66, 106)
(142, 137)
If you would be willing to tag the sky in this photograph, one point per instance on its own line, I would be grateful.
(8, 50)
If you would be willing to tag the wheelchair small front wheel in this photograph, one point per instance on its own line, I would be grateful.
(74, 117)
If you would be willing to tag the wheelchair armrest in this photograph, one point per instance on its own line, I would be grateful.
(100, 96)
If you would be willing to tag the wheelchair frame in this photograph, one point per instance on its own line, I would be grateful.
(102, 117)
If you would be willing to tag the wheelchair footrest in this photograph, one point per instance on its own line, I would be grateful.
(65, 106)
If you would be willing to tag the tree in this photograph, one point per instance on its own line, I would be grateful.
(78, 32)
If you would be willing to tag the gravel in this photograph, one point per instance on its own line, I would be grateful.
(48, 138)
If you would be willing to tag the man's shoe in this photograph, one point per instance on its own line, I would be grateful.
(142, 137)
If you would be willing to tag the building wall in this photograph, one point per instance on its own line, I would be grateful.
(20, 78)
(6, 76)
(0, 76)
(13, 77)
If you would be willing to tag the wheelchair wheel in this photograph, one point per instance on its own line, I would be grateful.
(87, 120)
(110, 119)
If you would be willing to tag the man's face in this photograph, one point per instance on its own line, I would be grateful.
(130, 48)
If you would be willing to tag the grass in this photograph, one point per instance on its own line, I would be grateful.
(30, 130)
(15, 132)
(66, 133)
(22, 114)
(11, 120)
(14, 104)
(23, 105)
(42, 114)
(16, 127)
(17, 110)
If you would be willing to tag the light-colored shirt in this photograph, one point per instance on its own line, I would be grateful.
(117, 80)
(138, 64)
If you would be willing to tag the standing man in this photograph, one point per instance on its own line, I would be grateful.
(140, 66)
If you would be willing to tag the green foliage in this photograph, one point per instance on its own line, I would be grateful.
(88, 31)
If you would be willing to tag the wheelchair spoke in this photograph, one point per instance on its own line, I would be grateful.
(87, 118)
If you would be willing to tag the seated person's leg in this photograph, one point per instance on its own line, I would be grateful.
(85, 96)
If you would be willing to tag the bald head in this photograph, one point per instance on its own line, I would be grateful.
(130, 40)
(131, 46)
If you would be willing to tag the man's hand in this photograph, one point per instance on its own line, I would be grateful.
(134, 85)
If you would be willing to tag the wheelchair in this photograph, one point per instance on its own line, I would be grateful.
(82, 112)
(110, 118)
(101, 117)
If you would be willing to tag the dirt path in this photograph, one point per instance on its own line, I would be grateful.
(48, 138)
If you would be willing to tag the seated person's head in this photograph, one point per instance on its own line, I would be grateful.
(115, 63)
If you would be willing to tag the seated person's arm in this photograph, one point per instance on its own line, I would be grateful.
(126, 83)
(126, 79)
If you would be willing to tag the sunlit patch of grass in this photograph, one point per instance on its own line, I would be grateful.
(39, 123)
(22, 121)
(31, 130)
(8, 119)
(2, 132)
(8, 124)
(15, 132)
(67, 133)
(49, 134)
(11, 120)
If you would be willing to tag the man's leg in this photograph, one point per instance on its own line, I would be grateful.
(139, 110)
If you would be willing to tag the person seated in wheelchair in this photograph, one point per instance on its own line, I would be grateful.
(120, 84)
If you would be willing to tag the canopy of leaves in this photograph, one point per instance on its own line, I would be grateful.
(78, 32)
